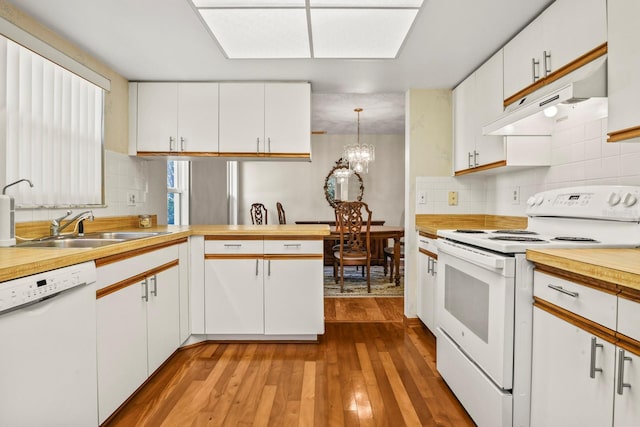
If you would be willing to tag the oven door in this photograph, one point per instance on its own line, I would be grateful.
(475, 306)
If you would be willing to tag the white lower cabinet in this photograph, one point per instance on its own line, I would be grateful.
(138, 322)
(255, 288)
(427, 270)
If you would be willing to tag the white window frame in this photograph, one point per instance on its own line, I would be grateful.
(181, 192)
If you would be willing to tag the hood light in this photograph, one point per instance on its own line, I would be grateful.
(550, 111)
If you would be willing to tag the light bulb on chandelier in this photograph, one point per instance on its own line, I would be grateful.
(359, 155)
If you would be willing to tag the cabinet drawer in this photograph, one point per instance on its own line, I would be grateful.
(629, 318)
(587, 302)
(428, 244)
(293, 247)
(229, 247)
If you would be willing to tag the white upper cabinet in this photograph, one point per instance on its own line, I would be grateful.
(623, 70)
(464, 123)
(265, 119)
(177, 117)
(563, 33)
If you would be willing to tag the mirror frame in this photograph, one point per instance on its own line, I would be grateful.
(341, 164)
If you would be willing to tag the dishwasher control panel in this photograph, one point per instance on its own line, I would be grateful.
(26, 290)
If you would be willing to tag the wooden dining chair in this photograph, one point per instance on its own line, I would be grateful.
(258, 214)
(281, 216)
(390, 259)
(353, 222)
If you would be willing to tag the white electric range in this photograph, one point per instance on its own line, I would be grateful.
(485, 293)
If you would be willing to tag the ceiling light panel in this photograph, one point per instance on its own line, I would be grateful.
(366, 3)
(249, 3)
(259, 33)
(359, 33)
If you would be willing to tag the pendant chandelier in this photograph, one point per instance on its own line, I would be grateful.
(359, 155)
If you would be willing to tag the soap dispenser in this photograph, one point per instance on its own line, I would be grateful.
(7, 216)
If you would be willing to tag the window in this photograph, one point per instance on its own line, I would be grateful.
(53, 132)
(178, 192)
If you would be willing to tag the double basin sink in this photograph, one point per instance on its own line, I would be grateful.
(89, 240)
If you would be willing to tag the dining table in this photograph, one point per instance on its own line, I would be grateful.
(380, 232)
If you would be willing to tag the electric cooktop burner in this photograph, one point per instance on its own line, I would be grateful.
(515, 232)
(575, 239)
(470, 231)
(517, 239)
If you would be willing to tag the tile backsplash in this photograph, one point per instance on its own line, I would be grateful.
(124, 176)
(580, 156)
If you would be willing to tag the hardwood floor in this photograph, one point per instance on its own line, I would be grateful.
(369, 369)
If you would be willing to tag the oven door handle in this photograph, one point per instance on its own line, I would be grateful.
(474, 256)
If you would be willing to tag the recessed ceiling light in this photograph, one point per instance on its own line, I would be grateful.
(261, 29)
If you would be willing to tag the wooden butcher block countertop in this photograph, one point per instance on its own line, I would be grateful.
(617, 266)
(19, 262)
(431, 223)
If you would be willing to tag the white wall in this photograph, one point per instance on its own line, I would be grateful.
(299, 186)
(145, 179)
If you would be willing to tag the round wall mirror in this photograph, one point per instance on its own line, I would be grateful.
(339, 186)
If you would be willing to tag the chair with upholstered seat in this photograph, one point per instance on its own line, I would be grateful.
(258, 214)
(389, 259)
(281, 216)
(353, 222)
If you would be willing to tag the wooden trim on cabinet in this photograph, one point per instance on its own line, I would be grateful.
(428, 253)
(628, 343)
(292, 237)
(629, 294)
(559, 73)
(133, 253)
(590, 282)
(498, 164)
(178, 153)
(428, 235)
(292, 256)
(590, 326)
(233, 256)
(268, 155)
(134, 279)
(234, 237)
(621, 135)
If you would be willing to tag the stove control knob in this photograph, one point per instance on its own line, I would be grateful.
(629, 200)
(531, 201)
(539, 200)
(614, 199)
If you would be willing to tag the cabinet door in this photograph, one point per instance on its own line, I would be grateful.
(426, 291)
(121, 347)
(234, 296)
(587, 30)
(627, 400)
(293, 297)
(519, 56)
(464, 123)
(623, 65)
(198, 117)
(157, 117)
(242, 118)
(563, 392)
(163, 316)
(287, 118)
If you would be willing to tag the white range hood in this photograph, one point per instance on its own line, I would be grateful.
(582, 93)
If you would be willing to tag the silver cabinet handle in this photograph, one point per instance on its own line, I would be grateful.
(171, 141)
(434, 269)
(292, 245)
(269, 143)
(592, 365)
(154, 292)
(547, 63)
(258, 145)
(233, 245)
(533, 69)
(257, 267)
(181, 143)
(475, 158)
(429, 265)
(621, 359)
(563, 290)
(469, 155)
(269, 268)
(145, 296)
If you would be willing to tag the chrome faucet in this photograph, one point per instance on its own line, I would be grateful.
(56, 224)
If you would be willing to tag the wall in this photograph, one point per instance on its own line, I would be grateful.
(428, 148)
(299, 186)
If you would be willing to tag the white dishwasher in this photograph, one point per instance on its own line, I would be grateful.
(48, 349)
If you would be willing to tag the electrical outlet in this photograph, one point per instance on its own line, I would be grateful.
(422, 197)
(131, 199)
(515, 195)
(453, 198)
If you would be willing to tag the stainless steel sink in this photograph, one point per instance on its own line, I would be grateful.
(89, 240)
(72, 242)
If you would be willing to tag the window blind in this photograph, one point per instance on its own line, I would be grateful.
(53, 132)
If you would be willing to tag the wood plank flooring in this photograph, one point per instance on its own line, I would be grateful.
(369, 369)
